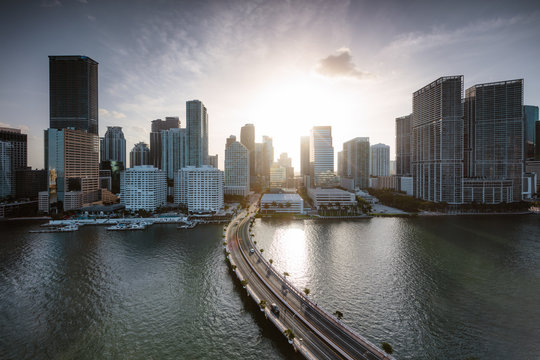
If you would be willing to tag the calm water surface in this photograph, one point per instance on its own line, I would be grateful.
(435, 288)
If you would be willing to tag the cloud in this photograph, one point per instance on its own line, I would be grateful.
(83, 1)
(341, 65)
(50, 3)
(118, 115)
(115, 114)
(91, 18)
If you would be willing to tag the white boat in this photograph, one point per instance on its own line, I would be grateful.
(67, 228)
(125, 227)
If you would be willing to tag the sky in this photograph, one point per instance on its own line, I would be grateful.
(284, 66)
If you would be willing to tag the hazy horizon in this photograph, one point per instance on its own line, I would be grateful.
(283, 66)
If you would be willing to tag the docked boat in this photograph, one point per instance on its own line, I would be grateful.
(127, 227)
(189, 225)
(67, 228)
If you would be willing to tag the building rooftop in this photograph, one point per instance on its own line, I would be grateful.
(281, 197)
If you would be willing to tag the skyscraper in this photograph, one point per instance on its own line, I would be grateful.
(304, 155)
(139, 155)
(267, 156)
(494, 131)
(174, 151)
(197, 133)
(355, 161)
(247, 138)
(17, 153)
(114, 145)
(6, 170)
(403, 145)
(72, 162)
(437, 140)
(73, 93)
(379, 160)
(158, 125)
(229, 141)
(236, 169)
(530, 118)
(321, 156)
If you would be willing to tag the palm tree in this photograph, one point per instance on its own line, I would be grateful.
(307, 291)
(262, 250)
(338, 314)
(262, 304)
(271, 261)
(244, 283)
(387, 347)
(286, 274)
(234, 268)
(290, 335)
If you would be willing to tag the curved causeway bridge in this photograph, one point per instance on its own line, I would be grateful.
(317, 334)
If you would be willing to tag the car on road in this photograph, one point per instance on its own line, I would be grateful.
(251, 251)
(274, 308)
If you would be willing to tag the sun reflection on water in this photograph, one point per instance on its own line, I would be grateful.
(291, 243)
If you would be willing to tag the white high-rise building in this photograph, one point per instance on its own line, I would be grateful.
(236, 169)
(173, 151)
(143, 187)
(379, 160)
(321, 155)
(199, 188)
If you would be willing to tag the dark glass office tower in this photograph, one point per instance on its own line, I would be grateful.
(73, 93)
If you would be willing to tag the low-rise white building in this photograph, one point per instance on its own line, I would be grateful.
(143, 187)
(282, 203)
(199, 188)
(331, 197)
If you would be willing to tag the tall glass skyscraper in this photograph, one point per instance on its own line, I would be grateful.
(379, 160)
(321, 155)
(73, 93)
(530, 117)
(197, 133)
(494, 127)
(437, 140)
(403, 145)
(158, 125)
(173, 151)
(114, 145)
(355, 161)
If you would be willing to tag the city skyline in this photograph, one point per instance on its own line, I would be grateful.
(355, 74)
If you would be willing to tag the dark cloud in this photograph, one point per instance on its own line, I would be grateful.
(341, 65)
(50, 3)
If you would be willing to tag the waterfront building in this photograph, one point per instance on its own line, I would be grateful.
(173, 151)
(143, 187)
(139, 155)
(200, 189)
(437, 140)
(403, 145)
(247, 138)
(156, 148)
(331, 197)
(30, 182)
(236, 169)
(494, 142)
(43, 202)
(355, 162)
(17, 157)
(73, 93)
(281, 203)
(321, 156)
(213, 160)
(196, 133)
(379, 160)
(114, 145)
(6, 178)
(530, 119)
(71, 160)
(406, 185)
